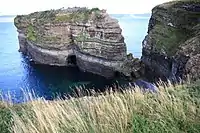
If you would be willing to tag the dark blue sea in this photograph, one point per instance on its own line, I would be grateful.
(17, 74)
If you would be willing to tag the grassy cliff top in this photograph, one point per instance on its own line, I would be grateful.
(33, 25)
(76, 14)
(177, 3)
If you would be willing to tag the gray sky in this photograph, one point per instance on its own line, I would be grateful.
(13, 7)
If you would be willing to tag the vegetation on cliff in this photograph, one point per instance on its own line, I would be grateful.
(168, 38)
(81, 15)
(31, 35)
(75, 14)
(172, 24)
(34, 22)
(172, 109)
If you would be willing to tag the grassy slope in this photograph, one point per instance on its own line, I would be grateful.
(172, 109)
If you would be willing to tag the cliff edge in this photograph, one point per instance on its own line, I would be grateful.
(171, 49)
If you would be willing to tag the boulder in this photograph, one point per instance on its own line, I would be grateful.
(172, 47)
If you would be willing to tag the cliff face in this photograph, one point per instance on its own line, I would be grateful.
(172, 47)
(88, 38)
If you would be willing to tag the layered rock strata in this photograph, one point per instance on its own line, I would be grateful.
(88, 38)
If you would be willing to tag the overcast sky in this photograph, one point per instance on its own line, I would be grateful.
(13, 7)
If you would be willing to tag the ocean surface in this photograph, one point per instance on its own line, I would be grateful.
(19, 76)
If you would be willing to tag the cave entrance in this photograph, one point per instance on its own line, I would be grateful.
(117, 74)
(71, 60)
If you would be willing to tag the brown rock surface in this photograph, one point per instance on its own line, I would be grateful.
(89, 38)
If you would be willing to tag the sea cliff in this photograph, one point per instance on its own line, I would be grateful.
(171, 50)
(88, 38)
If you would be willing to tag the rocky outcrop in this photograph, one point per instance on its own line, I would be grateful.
(171, 49)
(88, 38)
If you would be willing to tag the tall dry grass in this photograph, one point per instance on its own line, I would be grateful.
(171, 109)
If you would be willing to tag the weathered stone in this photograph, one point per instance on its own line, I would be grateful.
(132, 68)
(171, 48)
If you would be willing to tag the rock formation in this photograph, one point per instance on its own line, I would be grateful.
(88, 38)
(172, 47)
(145, 86)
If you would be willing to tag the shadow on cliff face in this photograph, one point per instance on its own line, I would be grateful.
(71, 60)
(52, 81)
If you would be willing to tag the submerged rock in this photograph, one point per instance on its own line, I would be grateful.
(145, 86)
(172, 47)
(88, 38)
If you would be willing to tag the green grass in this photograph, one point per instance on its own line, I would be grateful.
(31, 35)
(5, 119)
(168, 38)
(82, 37)
(171, 110)
(79, 16)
